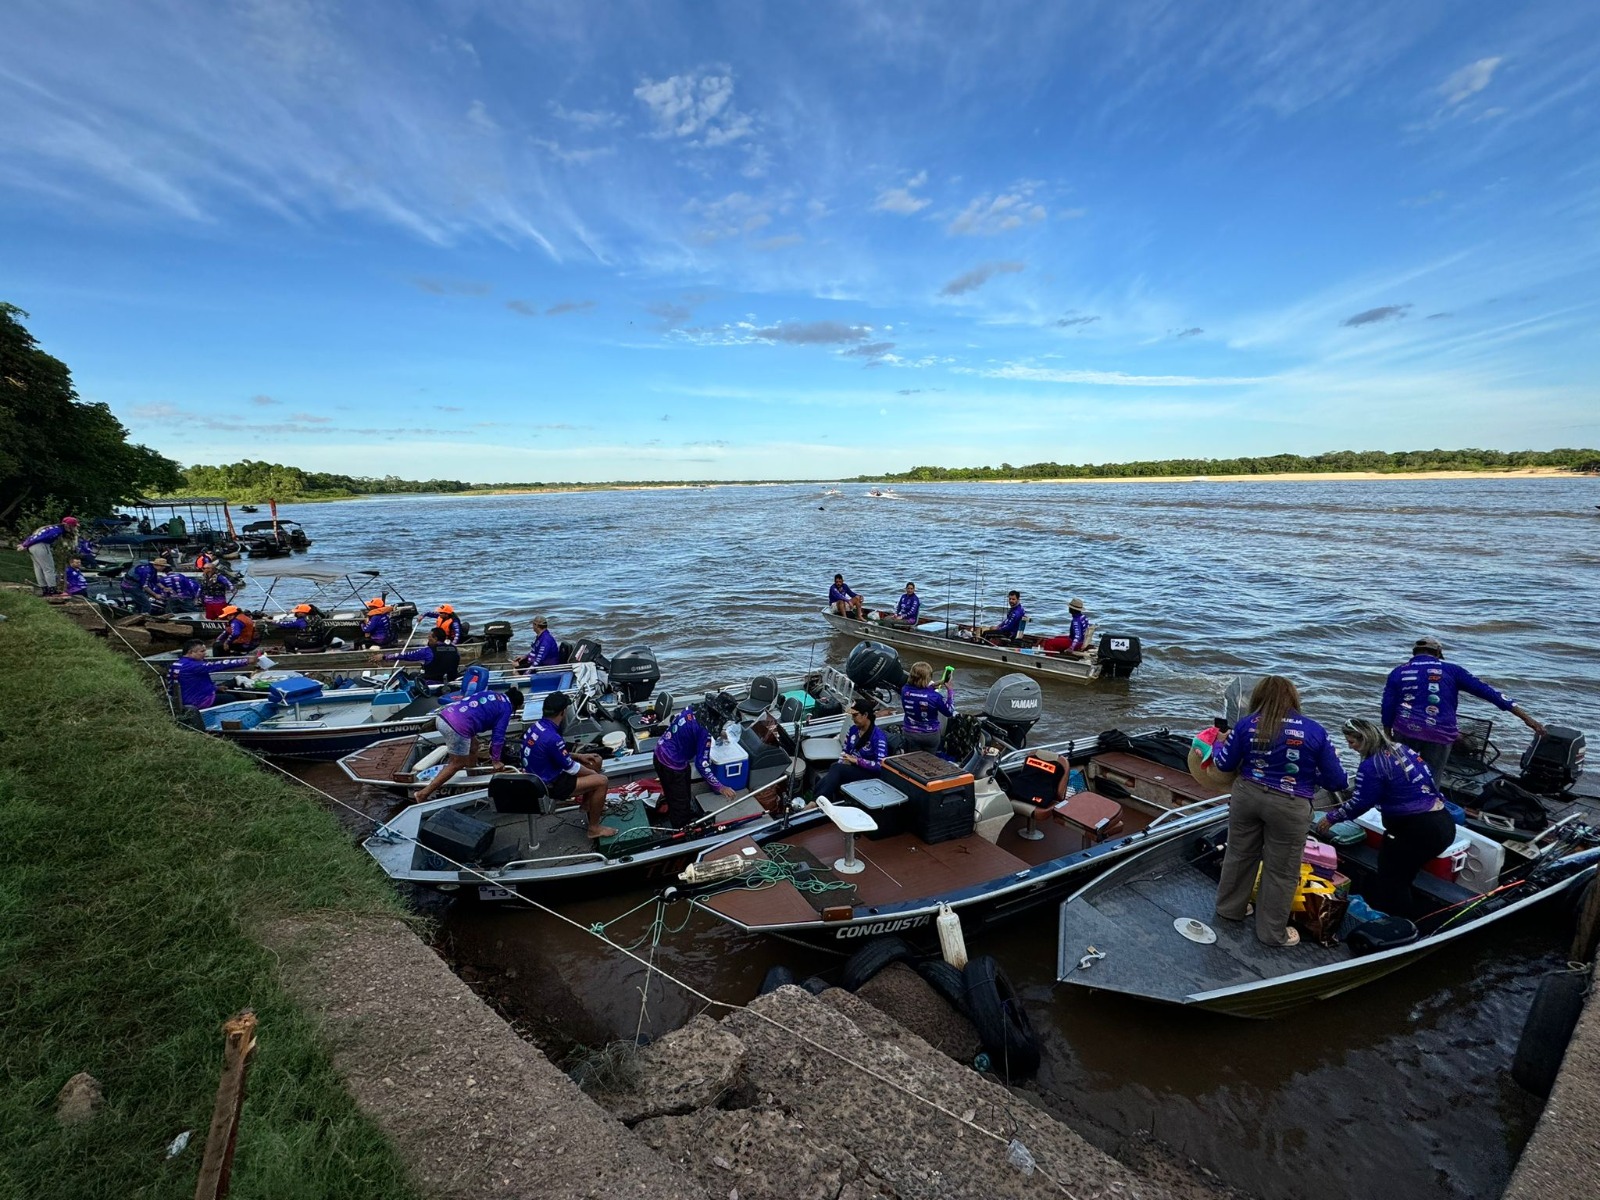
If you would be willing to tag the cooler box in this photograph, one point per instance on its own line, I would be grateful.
(297, 689)
(730, 764)
(1467, 846)
(888, 805)
(455, 835)
(943, 797)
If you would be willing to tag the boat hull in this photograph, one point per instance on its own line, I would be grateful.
(939, 646)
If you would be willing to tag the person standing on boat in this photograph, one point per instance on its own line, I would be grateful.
(844, 601)
(304, 628)
(141, 585)
(909, 607)
(445, 620)
(77, 585)
(1010, 629)
(216, 589)
(688, 741)
(544, 652)
(459, 723)
(923, 703)
(377, 631)
(239, 635)
(545, 756)
(183, 592)
(1420, 697)
(1416, 826)
(1282, 757)
(41, 547)
(189, 677)
(865, 748)
(441, 662)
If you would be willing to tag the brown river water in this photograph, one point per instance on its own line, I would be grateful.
(1400, 1089)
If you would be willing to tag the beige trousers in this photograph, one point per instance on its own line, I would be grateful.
(1267, 828)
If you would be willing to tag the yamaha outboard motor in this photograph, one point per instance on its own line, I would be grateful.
(1013, 706)
(496, 639)
(874, 665)
(1119, 654)
(1555, 760)
(588, 650)
(634, 673)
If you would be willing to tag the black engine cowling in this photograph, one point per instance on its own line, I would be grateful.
(1119, 654)
(874, 665)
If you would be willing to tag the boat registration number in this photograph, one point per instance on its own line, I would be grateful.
(492, 891)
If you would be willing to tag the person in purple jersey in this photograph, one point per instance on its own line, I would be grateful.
(459, 723)
(41, 547)
(1420, 697)
(545, 652)
(377, 631)
(923, 703)
(909, 607)
(865, 748)
(189, 677)
(85, 550)
(183, 592)
(77, 585)
(1416, 826)
(1010, 629)
(1282, 758)
(844, 601)
(687, 743)
(141, 585)
(545, 756)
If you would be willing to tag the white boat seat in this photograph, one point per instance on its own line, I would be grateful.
(819, 751)
(849, 821)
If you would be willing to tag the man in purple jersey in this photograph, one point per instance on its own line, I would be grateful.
(1420, 698)
(566, 775)
(459, 723)
(41, 547)
(189, 677)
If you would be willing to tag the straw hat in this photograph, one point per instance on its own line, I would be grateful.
(1076, 605)
(160, 562)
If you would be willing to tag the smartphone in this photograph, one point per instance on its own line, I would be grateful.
(948, 672)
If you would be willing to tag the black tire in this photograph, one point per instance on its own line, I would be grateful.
(816, 984)
(1585, 953)
(1001, 1020)
(1547, 1031)
(948, 981)
(872, 958)
(776, 977)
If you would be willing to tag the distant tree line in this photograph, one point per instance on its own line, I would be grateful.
(58, 454)
(1396, 462)
(251, 481)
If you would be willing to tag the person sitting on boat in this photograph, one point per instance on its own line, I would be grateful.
(239, 635)
(141, 585)
(843, 600)
(1281, 757)
(41, 547)
(923, 703)
(204, 559)
(909, 606)
(85, 549)
(1010, 629)
(378, 631)
(441, 662)
(189, 677)
(1420, 697)
(304, 628)
(1416, 826)
(688, 741)
(545, 756)
(459, 723)
(865, 748)
(77, 585)
(216, 589)
(544, 652)
(1076, 639)
(183, 592)
(445, 620)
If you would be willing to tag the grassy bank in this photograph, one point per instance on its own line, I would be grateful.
(135, 860)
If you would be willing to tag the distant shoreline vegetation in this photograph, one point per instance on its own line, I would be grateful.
(1397, 462)
(252, 482)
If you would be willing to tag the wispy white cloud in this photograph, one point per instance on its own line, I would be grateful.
(900, 200)
(697, 107)
(1110, 378)
(971, 281)
(1471, 79)
(988, 216)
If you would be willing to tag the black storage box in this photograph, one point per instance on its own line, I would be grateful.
(941, 796)
(1385, 933)
(1555, 760)
(456, 836)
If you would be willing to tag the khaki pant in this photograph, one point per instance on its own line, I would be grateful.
(44, 565)
(1267, 828)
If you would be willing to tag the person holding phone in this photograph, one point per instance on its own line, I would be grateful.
(923, 703)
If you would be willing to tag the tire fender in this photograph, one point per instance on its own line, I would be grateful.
(1548, 1029)
(873, 957)
(1001, 1020)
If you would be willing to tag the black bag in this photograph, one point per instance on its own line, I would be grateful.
(1168, 749)
(1385, 933)
(1504, 798)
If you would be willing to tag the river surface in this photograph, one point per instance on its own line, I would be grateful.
(1401, 1088)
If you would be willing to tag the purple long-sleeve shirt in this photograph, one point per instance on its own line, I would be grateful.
(839, 592)
(484, 712)
(869, 751)
(545, 651)
(378, 629)
(544, 752)
(1298, 761)
(191, 677)
(1012, 625)
(686, 741)
(908, 607)
(77, 585)
(1078, 632)
(1398, 782)
(1420, 696)
(922, 708)
(44, 535)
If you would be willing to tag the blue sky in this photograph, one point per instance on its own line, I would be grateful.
(500, 240)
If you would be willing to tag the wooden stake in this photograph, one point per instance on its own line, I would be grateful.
(216, 1168)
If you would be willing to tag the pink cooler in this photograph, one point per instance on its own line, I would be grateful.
(1324, 859)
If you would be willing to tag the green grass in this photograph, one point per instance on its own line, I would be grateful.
(136, 858)
(15, 566)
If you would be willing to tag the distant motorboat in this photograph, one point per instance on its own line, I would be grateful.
(884, 494)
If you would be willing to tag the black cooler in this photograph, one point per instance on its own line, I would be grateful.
(455, 835)
(941, 797)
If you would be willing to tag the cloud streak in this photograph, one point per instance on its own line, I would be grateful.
(971, 281)
(1374, 316)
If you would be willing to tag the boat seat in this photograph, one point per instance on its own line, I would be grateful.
(849, 821)
(763, 691)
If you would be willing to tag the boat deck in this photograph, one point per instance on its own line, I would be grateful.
(381, 760)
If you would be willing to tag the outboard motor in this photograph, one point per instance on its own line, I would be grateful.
(1119, 654)
(496, 639)
(874, 665)
(1555, 760)
(634, 673)
(1013, 706)
(588, 650)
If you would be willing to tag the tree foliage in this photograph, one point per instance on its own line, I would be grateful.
(56, 451)
(250, 481)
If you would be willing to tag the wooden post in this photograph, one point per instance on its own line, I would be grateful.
(216, 1168)
(1583, 939)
